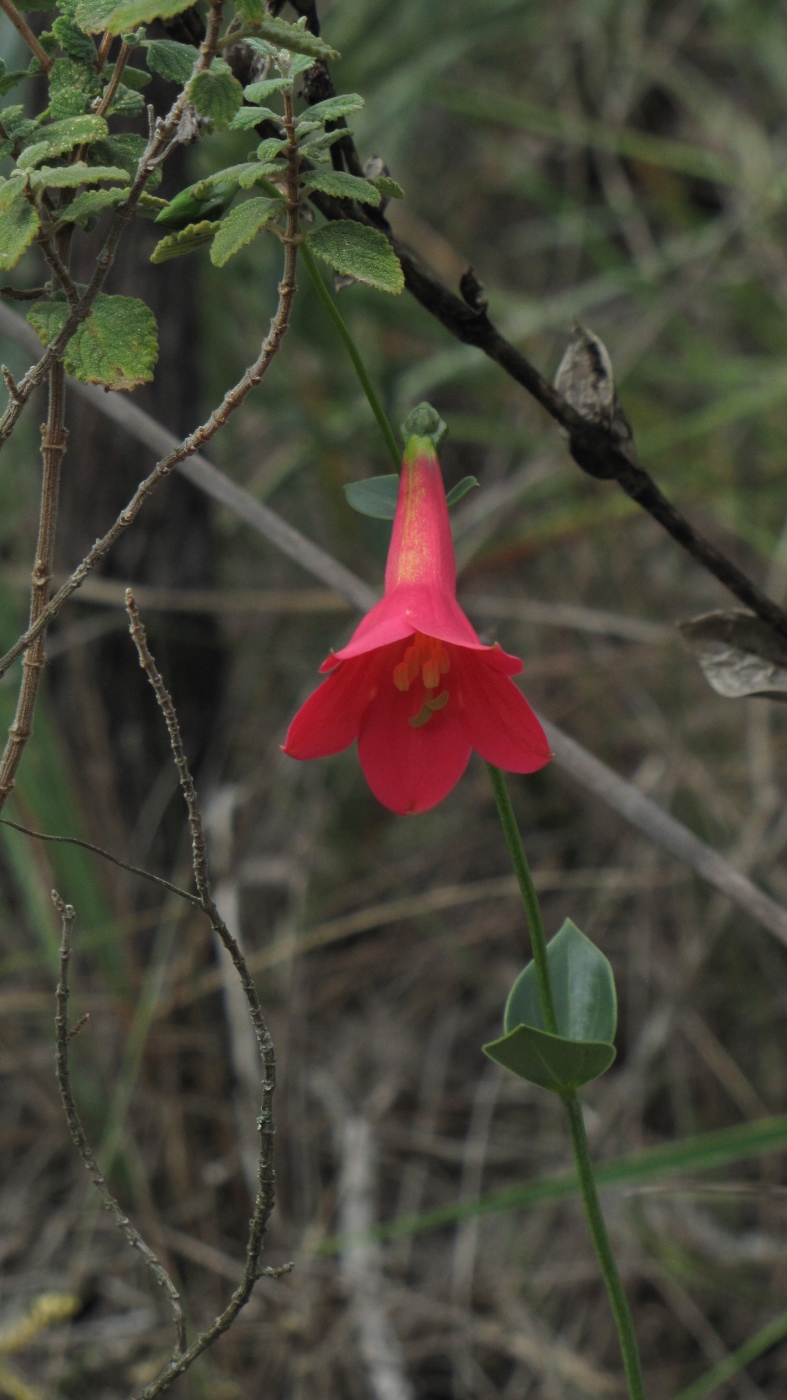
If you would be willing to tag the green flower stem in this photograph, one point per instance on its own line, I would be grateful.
(354, 353)
(538, 938)
(579, 1141)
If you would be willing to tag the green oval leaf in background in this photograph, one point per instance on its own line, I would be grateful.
(216, 94)
(241, 226)
(550, 1061)
(355, 250)
(186, 240)
(375, 496)
(116, 347)
(342, 186)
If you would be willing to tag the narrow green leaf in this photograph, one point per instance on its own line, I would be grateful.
(205, 200)
(117, 346)
(358, 251)
(19, 225)
(315, 144)
(305, 127)
(91, 203)
(216, 95)
(60, 137)
(173, 62)
(341, 186)
(10, 80)
(551, 1061)
(138, 12)
(186, 240)
(294, 38)
(63, 177)
(583, 989)
(375, 496)
(241, 226)
(248, 117)
(388, 188)
(270, 148)
(334, 107)
(73, 41)
(260, 92)
(710, 1384)
(458, 492)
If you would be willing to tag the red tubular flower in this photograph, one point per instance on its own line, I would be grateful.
(414, 685)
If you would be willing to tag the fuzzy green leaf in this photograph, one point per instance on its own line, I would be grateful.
(294, 38)
(172, 61)
(341, 186)
(357, 251)
(199, 202)
(136, 78)
(10, 80)
(126, 102)
(216, 95)
(269, 149)
(9, 189)
(334, 107)
(138, 12)
(117, 346)
(60, 137)
(241, 226)
(260, 92)
(388, 188)
(91, 203)
(93, 15)
(19, 225)
(375, 496)
(73, 41)
(323, 141)
(123, 150)
(247, 117)
(67, 177)
(71, 87)
(186, 240)
(252, 11)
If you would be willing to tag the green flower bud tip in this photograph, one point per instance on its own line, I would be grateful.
(424, 421)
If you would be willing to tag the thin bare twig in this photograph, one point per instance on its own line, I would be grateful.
(114, 83)
(264, 1201)
(22, 27)
(105, 855)
(63, 1038)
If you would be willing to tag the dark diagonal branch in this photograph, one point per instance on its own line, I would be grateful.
(593, 446)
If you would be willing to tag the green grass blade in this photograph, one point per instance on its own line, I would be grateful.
(768, 1336)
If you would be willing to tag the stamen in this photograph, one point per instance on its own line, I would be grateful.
(424, 654)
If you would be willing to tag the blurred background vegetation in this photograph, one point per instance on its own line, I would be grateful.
(623, 162)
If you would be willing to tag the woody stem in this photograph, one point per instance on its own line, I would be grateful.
(579, 1142)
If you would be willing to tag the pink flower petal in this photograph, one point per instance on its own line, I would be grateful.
(330, 719)
(411, 770)
(497, 720)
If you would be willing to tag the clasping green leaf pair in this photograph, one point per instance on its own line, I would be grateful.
(583, 990)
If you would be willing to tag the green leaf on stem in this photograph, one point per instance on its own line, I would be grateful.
(73, 41)
(138, 78)
(205, 200)
(71, 87)
(10, 189)
(60, 137)
(388, 188)
(375, 496)
(341, 186)
(19, 225)
(260, 92)
(91, 203)
(126, 102)
(124, 150)
(10, 80)
(458, 492)
(172, 61)
(186, 240)
(116, 347)
(136, 12)
(248, 117)
(62, 177)
(216, 94)
(269, 149)
(334, 107)
(313, 146)
(93, 15)
(241, 226)
(357, 251)
(294, 38)
(583, 991)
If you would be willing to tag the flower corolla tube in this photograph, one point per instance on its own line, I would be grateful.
(414, 685)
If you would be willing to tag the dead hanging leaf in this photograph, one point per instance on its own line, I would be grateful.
(586, 380)
(739, 654)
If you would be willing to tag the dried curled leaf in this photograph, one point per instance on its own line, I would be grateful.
(585, 377)
(739, 654)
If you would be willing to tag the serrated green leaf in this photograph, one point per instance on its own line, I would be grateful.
(149, 206)
(124, 150)
(334, 107)
(19, 225)
(458, 492)
(126, 102)
(186, 240)
(295, 39)
(10, 80)
(252, 11)
(173, 62)
(258, 175)
(241, 226)
(269, 149)
(248, 117)
(117, 346)
(202, 188)
(137, 12)
(9, 189)
(388, 188)
(91, 203)
(260, 92)
(216, 95)
(550, 1061)
(71, 87)
(324, 140)
(60, 137)
(92, 15)
(375, 496)
(66, 177)
(136, 78)
(199, 202)
(341, 186)
(358, 251)
(306, 127)
(73, 41)
(583, 989)
(299, 63)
